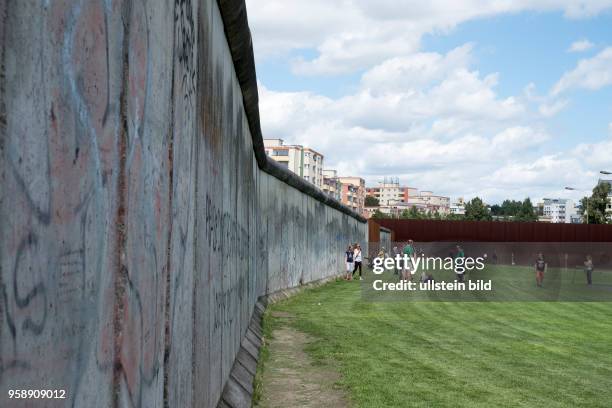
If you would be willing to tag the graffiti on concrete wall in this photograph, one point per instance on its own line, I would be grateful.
(136, 228)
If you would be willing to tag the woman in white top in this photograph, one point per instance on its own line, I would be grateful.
(357, 258)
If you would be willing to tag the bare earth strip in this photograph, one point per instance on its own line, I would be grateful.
(291, 380)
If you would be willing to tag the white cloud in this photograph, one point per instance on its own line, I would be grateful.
(597, 155)
(518, 138)
(542, 172)
(591, 73)
(416, 70)
(445, 138)
(349, 35)
(580, 46)
(551, 109)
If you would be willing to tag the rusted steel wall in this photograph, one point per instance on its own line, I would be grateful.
(138, 222)
(495, 231)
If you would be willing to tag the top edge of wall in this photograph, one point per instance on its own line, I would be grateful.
(238, 34)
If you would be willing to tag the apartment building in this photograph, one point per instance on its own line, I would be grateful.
(353, 193)
(390, 192)
(332, 185)
(303, 161)
(431, 202)
(457, 207)
(558, 210)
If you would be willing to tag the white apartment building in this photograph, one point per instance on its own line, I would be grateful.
(559, 210)
(390, 192)
(303, 161)
(431, 202)
(457, 207)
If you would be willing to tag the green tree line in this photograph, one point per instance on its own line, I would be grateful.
(475, 210)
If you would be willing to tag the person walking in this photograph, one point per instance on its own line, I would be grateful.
(540, 269)
(396, 252)
(357, 258)
(588, 269)
(348, 259)
(409, 251)
(460, 255)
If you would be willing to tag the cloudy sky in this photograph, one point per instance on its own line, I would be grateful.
(501, 99)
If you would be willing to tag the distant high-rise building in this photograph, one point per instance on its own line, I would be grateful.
(558, 210)
(303, 161)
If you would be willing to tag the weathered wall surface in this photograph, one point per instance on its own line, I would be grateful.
(138, 225)
(385, 239)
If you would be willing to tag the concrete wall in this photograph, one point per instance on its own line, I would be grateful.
(385, 239)
(138, 222)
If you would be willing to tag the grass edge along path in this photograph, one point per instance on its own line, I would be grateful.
(451, 354)
(264, 356)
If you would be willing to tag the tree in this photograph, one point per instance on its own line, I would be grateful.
(496, 210)
(596, 205)
(455, 217)
(526, 212)
(380, 215)
(371, 201)
(412, 214)
(511, 208)
(475, 210)
(515, 210)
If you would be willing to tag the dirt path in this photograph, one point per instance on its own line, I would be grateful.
(291, 380)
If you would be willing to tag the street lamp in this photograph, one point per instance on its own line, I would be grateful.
(587, 202)
(607, 173)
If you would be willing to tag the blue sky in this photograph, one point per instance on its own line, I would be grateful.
(531, 47)
(464, 98)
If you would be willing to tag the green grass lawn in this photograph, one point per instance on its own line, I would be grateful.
(458, 354)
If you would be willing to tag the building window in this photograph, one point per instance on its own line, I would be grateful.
(283, 152)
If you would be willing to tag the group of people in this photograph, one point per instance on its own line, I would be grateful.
(541, 266)
(353, 259)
